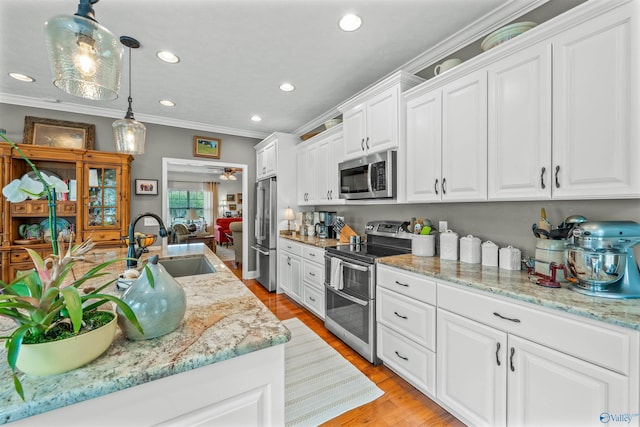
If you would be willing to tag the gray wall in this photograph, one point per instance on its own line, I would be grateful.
(504, 223)
(162, 141)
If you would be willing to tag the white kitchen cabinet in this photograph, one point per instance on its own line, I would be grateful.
(307, 173)
(446, 153)
(371, 120)
(464, 138)
(519, 125)
(313, 279)
(595, 105)
(424, 147)
(290, 268)
(406, 326)
(471, 374)
(330, 154)
(266, 160)
(500, 362)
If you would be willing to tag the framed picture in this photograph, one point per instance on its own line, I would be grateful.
(232, 207)
(147, 186)
(231, 197)
(239, 198)
(58, 133)
(206, 147)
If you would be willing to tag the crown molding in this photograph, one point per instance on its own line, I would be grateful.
(117, 114)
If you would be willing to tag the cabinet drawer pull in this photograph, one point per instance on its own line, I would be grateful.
(400, 315)
(312, 274)
(444, 189)
(362, 144)
(401, 356)
(402, 284)
(497, 354)
(542, 177)
(288, 261)
(312, 299)
(435, 186)
(312, 254)
(506, 318)
(513, 351)
(367, 143)
(556, 176)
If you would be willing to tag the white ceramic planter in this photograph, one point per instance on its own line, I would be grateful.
(56, 357)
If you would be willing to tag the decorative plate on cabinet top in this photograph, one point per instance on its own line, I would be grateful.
(506, 33)
(60, 222)
(27, 241)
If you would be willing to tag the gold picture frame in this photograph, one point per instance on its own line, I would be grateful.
(58, 133)
(231, 197)
(239, 198)
(232, 207)
(204, 146)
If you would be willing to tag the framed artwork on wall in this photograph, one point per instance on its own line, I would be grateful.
(231, 197)
(232, 207)
(206, 147)
(58, 133)
(239, 198)
(147, 187)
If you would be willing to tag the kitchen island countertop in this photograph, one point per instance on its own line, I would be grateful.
(516, 285)
(224, 320)
(311, 240)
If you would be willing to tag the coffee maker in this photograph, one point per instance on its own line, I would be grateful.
(324, 229)
(601, 259)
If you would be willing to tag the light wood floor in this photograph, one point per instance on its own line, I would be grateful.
(401, 405)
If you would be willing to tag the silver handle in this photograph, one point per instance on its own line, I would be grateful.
(347, 296)
(542, 177)
(370, 183)
(511, 319)
(400, 315)
(263, 252)
(354, 266)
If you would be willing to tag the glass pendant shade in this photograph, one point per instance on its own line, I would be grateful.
(85, 57)
(129, 135)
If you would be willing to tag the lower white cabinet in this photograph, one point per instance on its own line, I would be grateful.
(492, 374)
(290, 268)
(313, 279)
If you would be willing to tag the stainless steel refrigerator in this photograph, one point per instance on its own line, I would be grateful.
(266, 228)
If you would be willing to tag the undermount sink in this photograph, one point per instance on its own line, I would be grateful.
(187, 266)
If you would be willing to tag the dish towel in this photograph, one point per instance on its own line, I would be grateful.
(336, 273)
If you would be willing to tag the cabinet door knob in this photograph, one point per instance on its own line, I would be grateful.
(556, 176)
(542, 177)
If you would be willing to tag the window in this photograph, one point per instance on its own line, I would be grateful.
(182, 200)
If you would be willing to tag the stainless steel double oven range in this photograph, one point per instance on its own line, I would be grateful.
(351, 306)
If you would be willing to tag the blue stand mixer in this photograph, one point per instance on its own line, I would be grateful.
(602, 261)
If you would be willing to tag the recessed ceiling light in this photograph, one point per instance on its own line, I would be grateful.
(350, 22)
(287, 87)
(256, 118)
(167, 56)
(22, 77)
(167, 103)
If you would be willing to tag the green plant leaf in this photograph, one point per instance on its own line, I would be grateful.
(73, 303)
(18, 386)
(149, 274)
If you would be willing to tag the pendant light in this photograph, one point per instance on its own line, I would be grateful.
(128, 133)
(84, 56)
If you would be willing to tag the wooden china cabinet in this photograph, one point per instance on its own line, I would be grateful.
(96, 207)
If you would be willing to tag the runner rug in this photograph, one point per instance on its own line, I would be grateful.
(320, 384)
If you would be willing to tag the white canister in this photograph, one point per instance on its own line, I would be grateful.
(510, 258)
(489, 254)
(470, 249)
(423, 244)
(449, 245)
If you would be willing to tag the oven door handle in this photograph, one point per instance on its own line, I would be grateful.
(347, 296)
(354, 266)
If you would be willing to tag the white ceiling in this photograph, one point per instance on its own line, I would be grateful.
(235, 53)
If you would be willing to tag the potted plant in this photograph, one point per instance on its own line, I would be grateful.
(46, 303)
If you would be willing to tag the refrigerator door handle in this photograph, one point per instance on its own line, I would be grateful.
(263, 252)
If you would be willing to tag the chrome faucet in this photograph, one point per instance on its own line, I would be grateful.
(132, 253)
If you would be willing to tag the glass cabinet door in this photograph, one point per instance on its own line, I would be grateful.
(103, 197)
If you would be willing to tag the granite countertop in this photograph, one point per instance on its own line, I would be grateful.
(516, 285)
(223, 320)
(313, 241)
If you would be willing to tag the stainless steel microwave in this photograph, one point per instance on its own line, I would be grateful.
(368, 177)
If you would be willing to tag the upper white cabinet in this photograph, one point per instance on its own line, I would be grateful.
(595, 103)
(371, 120)
(519, 128)
(266, 160)
(317, 168)
(446, 153)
